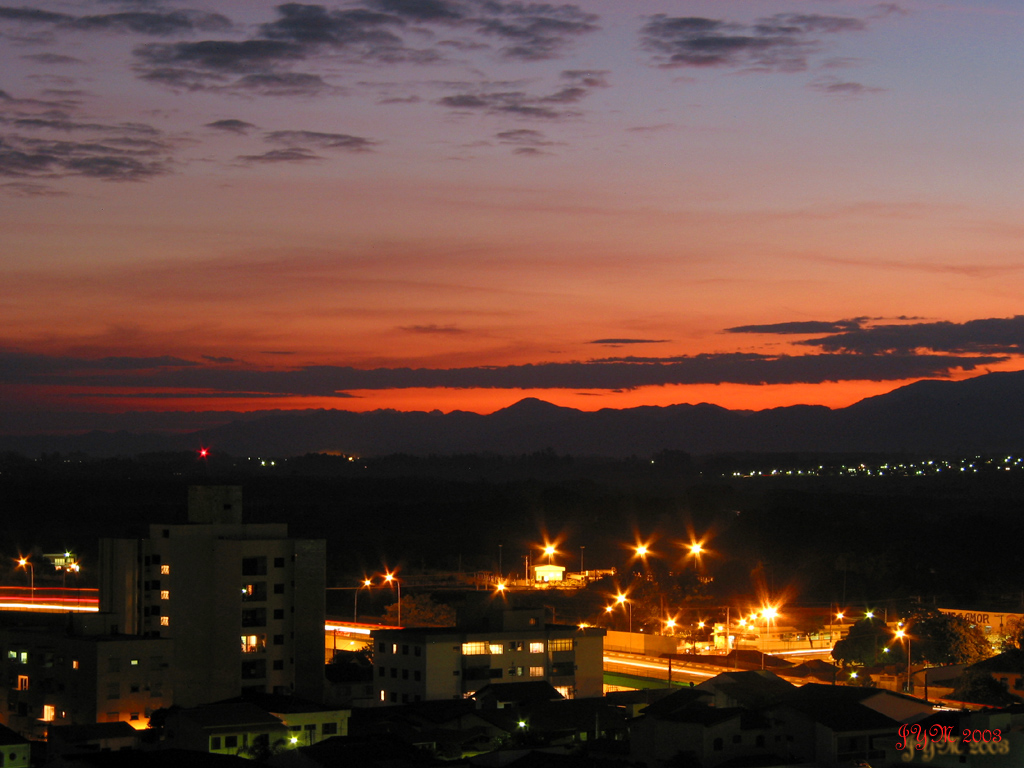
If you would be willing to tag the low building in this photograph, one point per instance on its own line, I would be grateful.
(425, 664)
(14, 749)
(77, 670)
(236, 728)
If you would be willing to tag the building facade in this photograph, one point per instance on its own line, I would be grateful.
(429, 664)
(244, 603)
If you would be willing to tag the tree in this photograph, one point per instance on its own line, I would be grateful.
(421, 611)
(947, 639)
(976, 686)
(865, 643)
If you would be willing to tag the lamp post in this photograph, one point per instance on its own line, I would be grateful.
(768, 614)
(621, 600)
(583, 571)
(24, 562)
(549, 550)
(901, 634)
(355, 604)
(390, 579)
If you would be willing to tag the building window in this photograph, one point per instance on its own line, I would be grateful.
(254, 670)
(133, 662)
(165, 621)
(562, 669)
(278, 665)
(254, 566)
(113, 690)
(49, 713)
(417, 651)
(254, 643)
(22, 682)
(113, 664)
(74, 663)
(255, 592)
(254, 617)
(416, 675)
(383, 696)
(155, 559)
(279, 589)
(230, 742)
(537, 647)
(279, 562)
(165, 594)
(563, 644)
(215, 742)
(279, 613)
(329, 729)
(536, 671)
(165, 570)
(405, 650)
(567, 691)
(718, 745)
(278, 639)
(23, 657)
(515, 645)
(133, 716)
(474, 649)
(496, 648)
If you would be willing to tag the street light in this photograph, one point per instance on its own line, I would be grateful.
(355, 603)
(768, 614)
(390, 578)
(621, 600)
(24, 562)
(901, 634)
(549, 550)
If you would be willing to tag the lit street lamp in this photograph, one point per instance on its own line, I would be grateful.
(24, 562)
(621, 600)
(390, 578)
(901, 634)
(549, 550)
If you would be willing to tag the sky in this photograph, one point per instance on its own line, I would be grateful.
(216, 207)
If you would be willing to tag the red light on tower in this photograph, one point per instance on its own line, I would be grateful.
(203, 453)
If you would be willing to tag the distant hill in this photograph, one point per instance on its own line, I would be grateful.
(983, 414)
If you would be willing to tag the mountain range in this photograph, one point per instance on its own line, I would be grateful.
(984, 414)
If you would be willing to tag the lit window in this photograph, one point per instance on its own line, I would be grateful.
(536, 671)
(22, 682)
(566, 691)
(565, 644)
(474, 649)
(134, 662)
(165, 570)
(537, 647)
(23, 657)
(383, 696)
(497, 648)
(49, 713)
(254, 643)
(165, 621)
(74, 663)
(165, 594)
(12, 654)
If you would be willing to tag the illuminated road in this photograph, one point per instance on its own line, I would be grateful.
(49, 599)
(657, 668)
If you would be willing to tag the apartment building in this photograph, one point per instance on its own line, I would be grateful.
(243, 602)
(428, 664)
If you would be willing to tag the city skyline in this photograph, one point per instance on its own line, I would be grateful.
(456, 204)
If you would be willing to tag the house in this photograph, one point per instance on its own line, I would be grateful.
(14, 749)
(236, 728)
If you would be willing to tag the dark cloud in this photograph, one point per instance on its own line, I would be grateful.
(65, 124)
(802, 327)
(986, 336)
(51, 58)
(244, 56)
(779, 43)
(219, 359)
(321, 140)
(138, 22)
(422, 10)
(618, 342)
(31, 189)
(231, 126)
(316, 25)
(836, 87)
(534, 31)
(20, 367)
(444, 330)
(290, 155)
(25, 157)
(523, 137)
(282, 84)
(606, 374)
(550, 107)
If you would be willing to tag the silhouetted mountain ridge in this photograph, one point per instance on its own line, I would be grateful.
(983, 414)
